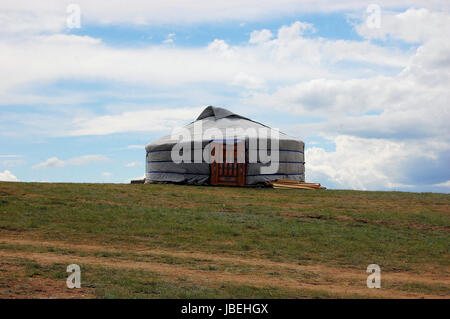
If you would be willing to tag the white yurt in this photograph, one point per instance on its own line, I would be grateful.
(251, 154)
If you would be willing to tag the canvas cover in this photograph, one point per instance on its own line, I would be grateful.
(161, 168)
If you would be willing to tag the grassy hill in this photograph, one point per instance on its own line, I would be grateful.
(171, 241)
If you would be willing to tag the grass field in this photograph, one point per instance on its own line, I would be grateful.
(171, 241)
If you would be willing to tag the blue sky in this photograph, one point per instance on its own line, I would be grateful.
(369, 100)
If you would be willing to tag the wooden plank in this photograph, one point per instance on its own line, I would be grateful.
(292, 186)
(288, 181)
(295, 186)
(291, 181)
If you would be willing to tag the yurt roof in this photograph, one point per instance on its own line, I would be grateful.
(218, 113)
(219, 118)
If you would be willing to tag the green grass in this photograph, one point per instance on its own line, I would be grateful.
(397, 230)
(436, 289)
(191, 263)
(111, 283)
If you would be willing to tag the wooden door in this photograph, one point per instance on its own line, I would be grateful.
(229, 167)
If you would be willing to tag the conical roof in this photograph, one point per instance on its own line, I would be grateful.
(217, 118)
(218, 113)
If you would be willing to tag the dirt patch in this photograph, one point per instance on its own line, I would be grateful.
(385, 222)
(175, 271)
(96, 201)
(15, 285)
(341, 272)
(227, 242)
(371, 221)
(331, 279)
(4, 192)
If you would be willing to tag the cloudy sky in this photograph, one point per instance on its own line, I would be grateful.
(366, 85)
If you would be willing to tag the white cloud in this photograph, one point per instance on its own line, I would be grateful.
(7, 176)
(411, 104)
(402, 108)
(412, 25)
(20, 20)
(133, 164)
(86, 159)
(30, 98)
(10, 156)
(431, 64)
(54, 162)
(140, 147)
(247, 81)
(390, 131)
(51, 162)
(11, 160)
(370, 164)
(48, 15)
(170, 38)
(322, 96)
(43, 58)
(352, 165)
(221, 49)
(147, 120)
(294, 31)
(444, 184)
(106, 174)
(260, 36)
(363, 52)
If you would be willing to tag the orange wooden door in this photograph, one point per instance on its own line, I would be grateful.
(228, 165)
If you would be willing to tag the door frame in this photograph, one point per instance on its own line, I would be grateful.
(233, 173)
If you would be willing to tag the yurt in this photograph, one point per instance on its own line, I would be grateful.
(223, 148)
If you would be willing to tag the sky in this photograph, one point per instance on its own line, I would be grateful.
(85, 85)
